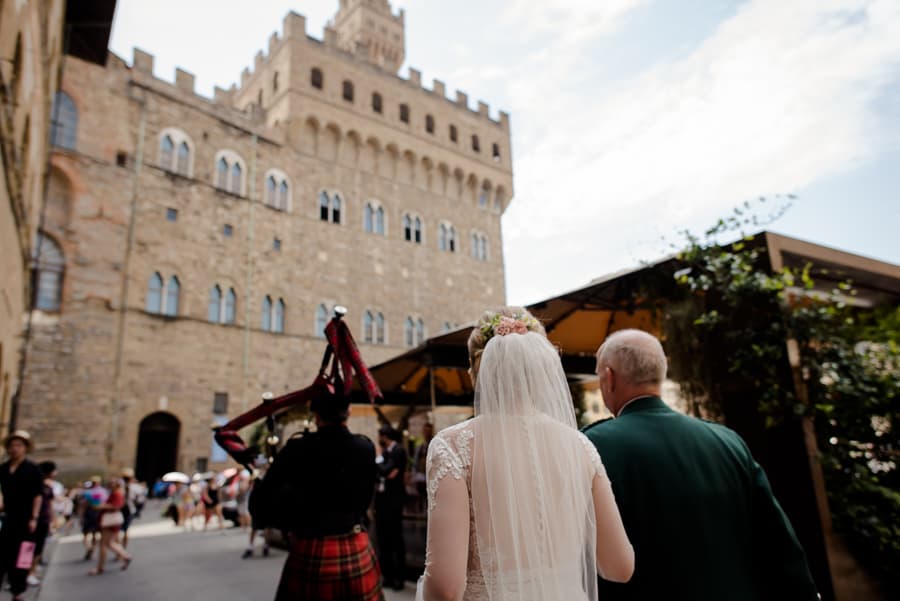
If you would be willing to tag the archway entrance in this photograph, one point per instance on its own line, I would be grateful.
(157, 447)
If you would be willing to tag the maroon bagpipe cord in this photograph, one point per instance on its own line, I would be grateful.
(345, 360)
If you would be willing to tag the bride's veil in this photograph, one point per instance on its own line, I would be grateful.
(531, 477)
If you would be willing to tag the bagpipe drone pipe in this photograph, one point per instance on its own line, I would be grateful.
(330, 385)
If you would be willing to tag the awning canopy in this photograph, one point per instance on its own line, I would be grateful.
(578, 321)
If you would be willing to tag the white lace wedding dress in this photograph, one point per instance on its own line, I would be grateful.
(519, 505)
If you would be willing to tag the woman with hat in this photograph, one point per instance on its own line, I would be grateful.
(21, 483)
(318, 489)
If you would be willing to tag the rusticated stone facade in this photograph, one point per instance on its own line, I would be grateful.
(164, 181)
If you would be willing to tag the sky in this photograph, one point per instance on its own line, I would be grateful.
(632, 120)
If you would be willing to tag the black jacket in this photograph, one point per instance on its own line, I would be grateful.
(394, 491)
(319, 484)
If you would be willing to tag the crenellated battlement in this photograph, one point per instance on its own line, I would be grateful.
(294, 32)
(183, 86)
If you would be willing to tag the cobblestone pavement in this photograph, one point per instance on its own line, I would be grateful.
(170, 564)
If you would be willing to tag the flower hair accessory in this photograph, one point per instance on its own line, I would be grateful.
(503, 325)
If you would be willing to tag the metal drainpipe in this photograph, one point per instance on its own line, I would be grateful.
(123, 300)
(251, 198)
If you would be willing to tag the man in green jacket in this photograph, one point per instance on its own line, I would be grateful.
(696, 506)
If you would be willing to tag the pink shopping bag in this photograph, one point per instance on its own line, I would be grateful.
(26, 555)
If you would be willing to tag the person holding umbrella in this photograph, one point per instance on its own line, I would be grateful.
(21, 483)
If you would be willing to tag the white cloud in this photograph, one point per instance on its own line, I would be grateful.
(569, 21)
(779, 96)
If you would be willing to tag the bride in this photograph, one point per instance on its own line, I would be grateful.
(519, 504)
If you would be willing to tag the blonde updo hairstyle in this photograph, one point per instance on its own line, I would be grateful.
(486, 328)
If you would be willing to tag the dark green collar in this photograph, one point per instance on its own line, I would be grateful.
(644, 404)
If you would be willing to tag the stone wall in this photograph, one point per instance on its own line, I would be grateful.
(30, 43)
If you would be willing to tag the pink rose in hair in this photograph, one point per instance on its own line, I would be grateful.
(509, 325)
(504, 327)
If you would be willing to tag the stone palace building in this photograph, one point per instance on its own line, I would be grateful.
(192, 249)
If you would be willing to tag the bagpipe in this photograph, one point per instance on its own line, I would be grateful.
(332, 385)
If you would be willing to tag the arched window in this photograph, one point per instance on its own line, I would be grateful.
(479, 246)
(48, 276)
(417, 231)
(166, 148)
(476, 146)
(379, 221)
(270, 190)
(447, 239)
(379, 329)
(409, 335)
(348, 90)
(495, 151)
(236, 174)
(230, 303)
(373, 219)
(404, 113)
(222, 173)
(368, 218)
(283, 195)
(454, 136)
(329, 207)
(154, 293)
(214, 307)
(483, 197)
(259, 98)
(368, 327)
(64, 128)
(407, 228)
(278, 322)
(173, 289)
(324, 206)
(429, 124)
(376, 102)
(175, 151)
(267, 314)
(277, 190)
(336, 209)
(184, 159)
(315, 78)
(321, 320)
(420, 331)
(275, 82)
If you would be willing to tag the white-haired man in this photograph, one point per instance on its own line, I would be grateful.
(696, 505)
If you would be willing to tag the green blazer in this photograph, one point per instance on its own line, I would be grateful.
(698, 510)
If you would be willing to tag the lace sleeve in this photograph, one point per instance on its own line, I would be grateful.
(447, 547)
(441, 461)
(593, 456)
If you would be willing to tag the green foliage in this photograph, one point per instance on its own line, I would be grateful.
(739, 316)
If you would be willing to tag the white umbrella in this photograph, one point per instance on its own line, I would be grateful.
(176, 477)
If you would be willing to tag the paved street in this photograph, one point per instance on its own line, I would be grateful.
(171, 564)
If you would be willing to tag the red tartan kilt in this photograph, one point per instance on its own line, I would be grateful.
(332, 568)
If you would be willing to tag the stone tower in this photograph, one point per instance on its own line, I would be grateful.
(369, 30)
